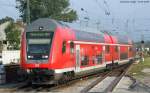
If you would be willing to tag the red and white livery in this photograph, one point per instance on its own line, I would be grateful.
(51, 51)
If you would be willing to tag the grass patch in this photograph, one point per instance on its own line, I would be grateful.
(136, 69)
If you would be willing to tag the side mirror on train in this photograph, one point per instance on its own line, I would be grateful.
(64, 47)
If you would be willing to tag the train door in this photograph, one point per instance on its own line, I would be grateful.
(123, 52)
(130, 52)
(72, 52)
(108, 57)
(116, 53)
(112, 53)
(103, 54)
(77, 63)
(119, 52)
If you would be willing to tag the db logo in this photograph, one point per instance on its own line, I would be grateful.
(37, 65)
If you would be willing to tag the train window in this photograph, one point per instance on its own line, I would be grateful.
(123, 56)
(38, 45)
(107, 49)
(71, 47)
(84, 60)
(64, 47)
(98, 59)
(116, 48)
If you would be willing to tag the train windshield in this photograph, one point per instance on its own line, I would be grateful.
(38, 45)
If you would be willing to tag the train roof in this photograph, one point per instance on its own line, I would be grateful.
(90, 34)
(46, 24)
(97, 35)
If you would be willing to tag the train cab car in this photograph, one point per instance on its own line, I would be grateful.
(52, 51)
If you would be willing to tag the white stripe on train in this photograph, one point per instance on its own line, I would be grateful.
(83, 42)
(90, 67)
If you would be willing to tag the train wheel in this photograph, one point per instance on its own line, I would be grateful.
(109, 67)
(71, 75)
(115, 65)
(68, 76)
(34, 86)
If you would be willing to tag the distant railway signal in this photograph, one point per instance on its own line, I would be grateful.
(142, 41)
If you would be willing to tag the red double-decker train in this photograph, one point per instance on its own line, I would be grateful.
(52, 51)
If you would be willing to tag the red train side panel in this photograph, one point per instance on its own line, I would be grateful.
(56, 50)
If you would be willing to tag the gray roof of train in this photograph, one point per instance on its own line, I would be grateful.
(50, 25)
(47, 24)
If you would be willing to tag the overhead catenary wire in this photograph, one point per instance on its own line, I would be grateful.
(107, 12)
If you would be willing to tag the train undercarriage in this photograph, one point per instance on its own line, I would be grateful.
(46, 77)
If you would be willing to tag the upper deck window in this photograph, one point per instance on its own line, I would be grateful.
(107, 48)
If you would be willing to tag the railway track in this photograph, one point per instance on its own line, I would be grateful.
(25, 87)
(49, 88)
(113, 77)
(42, 88)
(118, 72)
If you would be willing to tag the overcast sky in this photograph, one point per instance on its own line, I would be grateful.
(137, 13)
(95, 9)
(7, 8)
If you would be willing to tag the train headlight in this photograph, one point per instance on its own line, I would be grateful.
(45, 56)
(30, 56)
(28, 70)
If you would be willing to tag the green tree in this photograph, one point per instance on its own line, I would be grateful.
(13, 36)
(3, 20)
(55, 9)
